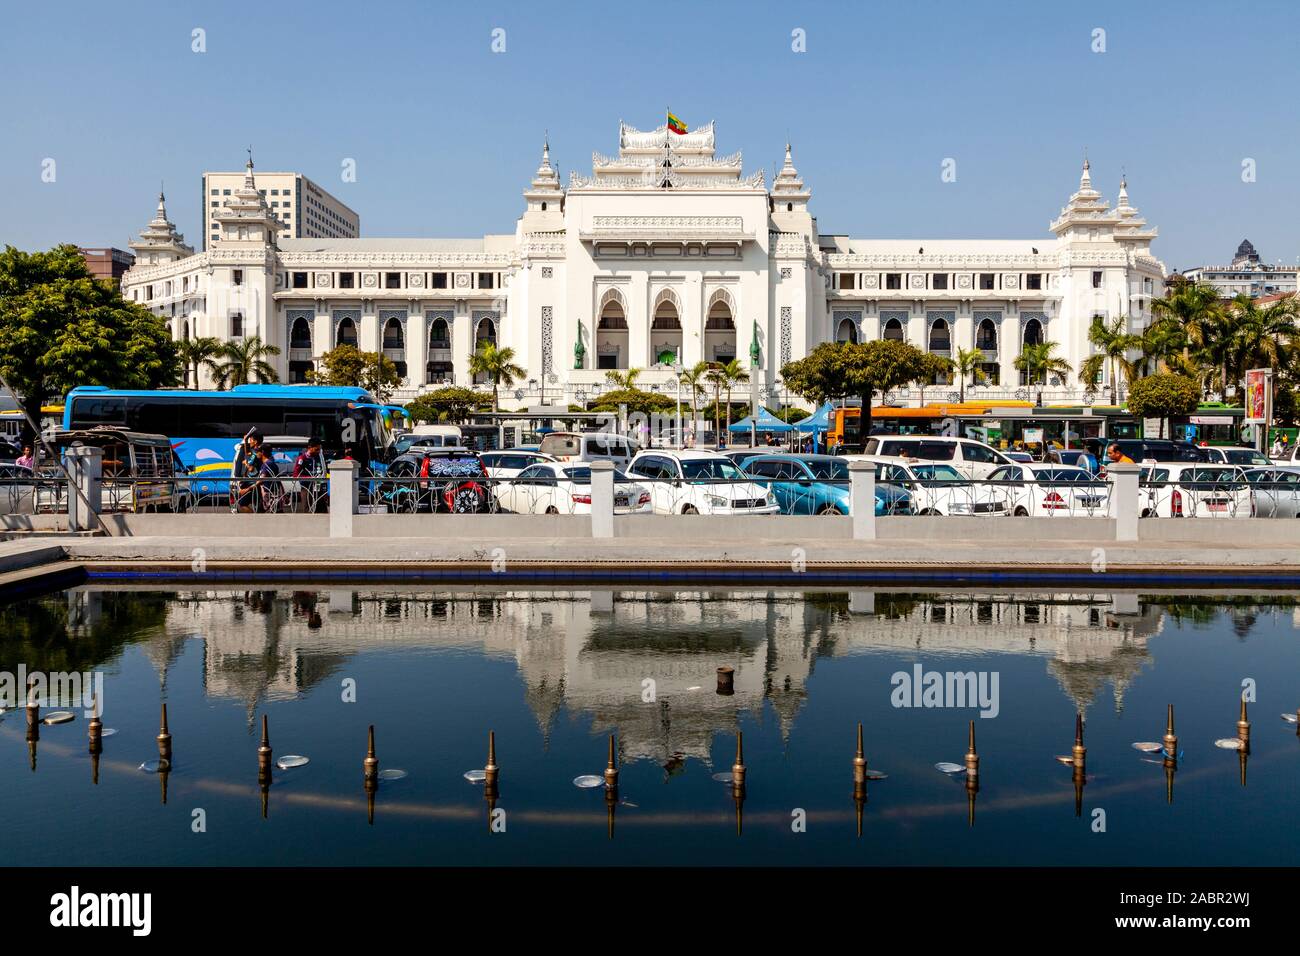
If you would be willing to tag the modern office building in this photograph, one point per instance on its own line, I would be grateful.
(305, 209)
(107, 263)
(1247, 274)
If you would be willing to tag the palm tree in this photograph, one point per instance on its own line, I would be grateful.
(932, 366)
(733, 374)
(243, 361)
(498, 364)
(1262, 338)
(692, 378)
(625, 379)
(967, 364)
(1041, 359)
(197, 353)
(1162, 340)
(1113, 342)
(1197, 309)
(717, 377)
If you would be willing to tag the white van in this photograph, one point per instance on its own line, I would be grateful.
(972, 458)
(589, 446)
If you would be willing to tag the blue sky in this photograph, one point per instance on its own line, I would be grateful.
(446, 133)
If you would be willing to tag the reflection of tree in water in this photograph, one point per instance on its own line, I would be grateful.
(45, 634)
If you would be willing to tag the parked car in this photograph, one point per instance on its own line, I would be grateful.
(437, 479)
(972, 458)
(1275, 491)
(937, 488)
(559, 488)
(589, 446)
(1022, 456)
(1065, 491)
(819, 485)
(17, 489)
(1246, 457)
(1194, 490)
(700, 482)
(509, 463)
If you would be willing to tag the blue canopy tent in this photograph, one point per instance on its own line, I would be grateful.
(817, 424)
(765, 422)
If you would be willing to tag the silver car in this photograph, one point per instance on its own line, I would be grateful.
(1275, 491)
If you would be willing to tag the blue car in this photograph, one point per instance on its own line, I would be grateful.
(818, 485)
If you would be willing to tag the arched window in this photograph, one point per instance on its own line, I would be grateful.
(612, 317)
(940, 337)
(300, 334)
(666, 317)
(486, 333)
(846, 331)
(986, 336)
(347, 333)
(393, 336)
(893, 330)
(719, 319)
(439, 335)
(185, 330)
(1033, 332)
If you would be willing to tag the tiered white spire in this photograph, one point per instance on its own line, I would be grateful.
(248, 207)
(788, 186)
(159, 241)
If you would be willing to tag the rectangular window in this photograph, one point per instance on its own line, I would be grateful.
(1034, 280)
(848, 280)
(987, 281)
(237, 325)
(300, 280)
(1096, 279)
(392, 280)
(215, 192)
(485, 280)
(440, 280)
(939, 281)
(347, 280)
(893, 280)
(237, 276)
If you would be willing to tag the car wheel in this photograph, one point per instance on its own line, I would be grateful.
(690, 510)
(552, 510)
(1021, 513)
(830, 510)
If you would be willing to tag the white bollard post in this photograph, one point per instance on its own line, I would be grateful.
(602, 499)
(862, 499)
(85, 470)
(1125, 493)
(343, 497)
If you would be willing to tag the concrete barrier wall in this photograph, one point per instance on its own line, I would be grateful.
(503, 527)
(1230, 532)
(218, 524)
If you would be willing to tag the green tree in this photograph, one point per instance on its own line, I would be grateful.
(1163, 341)
(1039, 361)
(1163, 396)
(716, 376)
(932, 366)
(498, 365)
(60, 328)
(450, 403)
(196, 355)
(346, 366)
(1113, 342)
(243, 361)
(967, 365)
(733, 374)
(636, 400)
(840, 369)
(693, 379)
(1262, 338)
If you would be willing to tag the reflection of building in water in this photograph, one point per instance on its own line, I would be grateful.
(571, 655)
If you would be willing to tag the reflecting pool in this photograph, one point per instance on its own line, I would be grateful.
(554, 673)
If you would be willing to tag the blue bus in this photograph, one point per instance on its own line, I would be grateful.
(204, 427)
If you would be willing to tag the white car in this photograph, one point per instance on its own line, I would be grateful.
(559, 488)
(972, 458)
(937, 488)
(1063, 491)
(509, 463)
(1246, 457)
(17, 489)
(1194, 490)
(700, 482)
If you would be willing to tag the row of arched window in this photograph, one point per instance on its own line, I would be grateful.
(940, 337)
(394, 337)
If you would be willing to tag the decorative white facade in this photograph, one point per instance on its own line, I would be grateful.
(665, 255)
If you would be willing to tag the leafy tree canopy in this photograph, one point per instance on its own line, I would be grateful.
(635, 399)
(347, 366)
(451, 404)
(1164, 395)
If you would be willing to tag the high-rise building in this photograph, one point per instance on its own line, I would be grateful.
(1247, 274)
(107, 263)
(304, 209)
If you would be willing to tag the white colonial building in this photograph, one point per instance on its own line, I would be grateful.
(666, 255)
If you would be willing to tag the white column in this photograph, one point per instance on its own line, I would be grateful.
(368, 333)
(1125, 497)
(417, 347)
(862, 499)
(343, 497)
(462, 346)
(85, 466)
(322, 332)
(1009, 350)
(602, 499)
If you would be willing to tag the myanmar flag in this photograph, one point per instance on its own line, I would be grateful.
(675, 125)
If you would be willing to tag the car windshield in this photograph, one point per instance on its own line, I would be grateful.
(1073, 476)
(1244, 456)
(937, 473)
(583, 475)
(696, 469)
(454, 466)
(1214, 476)
(828, 470)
